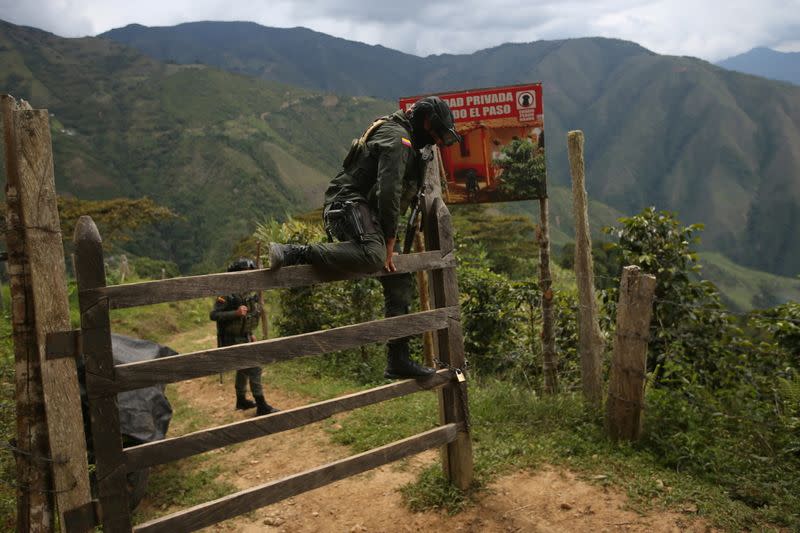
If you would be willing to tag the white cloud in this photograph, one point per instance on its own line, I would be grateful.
(788, 46)
(711, 29)
(62, 17)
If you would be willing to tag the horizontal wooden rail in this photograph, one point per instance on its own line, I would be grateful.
(163, 451)
(190, 287)
(209, 513)
(207, 362)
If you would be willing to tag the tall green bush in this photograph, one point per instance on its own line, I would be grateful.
(722, 395)
(328, 305)
(658, 243)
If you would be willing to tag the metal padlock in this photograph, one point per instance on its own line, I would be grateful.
(460, 377)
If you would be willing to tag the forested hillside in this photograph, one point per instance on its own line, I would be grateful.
(222, 150)
(225, 150)
(231, 154)
(719, 147)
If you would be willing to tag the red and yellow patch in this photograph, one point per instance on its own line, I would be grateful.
(221, 300)
(405, 142)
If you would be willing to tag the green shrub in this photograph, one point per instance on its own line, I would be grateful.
(722, 399)
(148, 268)
(492, 308)
(327, 306)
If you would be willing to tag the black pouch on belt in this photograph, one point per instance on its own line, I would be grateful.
(348, 221)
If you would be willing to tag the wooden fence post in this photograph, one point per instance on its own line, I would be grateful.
(625, 402)
(423, 288)
(590, 340)
(456, 456)
(549, 362)
(32, 200)
(104, 413)
(34, 501)
(264, 318)
(45, 253)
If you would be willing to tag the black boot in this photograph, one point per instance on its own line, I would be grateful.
(243, 403)
(281, 255)
(399, 364)
(263, 408)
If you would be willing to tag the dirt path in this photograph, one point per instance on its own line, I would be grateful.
(548, 500)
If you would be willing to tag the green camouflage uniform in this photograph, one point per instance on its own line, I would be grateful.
(232, 329)
(383, 175)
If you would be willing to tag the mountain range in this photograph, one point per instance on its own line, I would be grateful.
(768, 63)
(222, 148)
(717, 146)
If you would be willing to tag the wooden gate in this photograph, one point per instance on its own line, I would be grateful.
(104, 380)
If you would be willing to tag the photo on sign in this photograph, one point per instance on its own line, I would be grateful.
(501, 157)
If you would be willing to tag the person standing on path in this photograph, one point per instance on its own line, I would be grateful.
(237, 316)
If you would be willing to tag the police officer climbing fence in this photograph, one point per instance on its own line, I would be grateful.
(380, 177)
(237, 317)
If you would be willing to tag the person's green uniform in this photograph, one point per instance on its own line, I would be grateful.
(234, 329)
(383, 176)
(380, 176)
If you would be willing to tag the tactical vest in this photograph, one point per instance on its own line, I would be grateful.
(242, 327)
(360, 144)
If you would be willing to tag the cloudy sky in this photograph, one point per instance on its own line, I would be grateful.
(710, 29)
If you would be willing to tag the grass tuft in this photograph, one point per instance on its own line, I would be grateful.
(432, 491)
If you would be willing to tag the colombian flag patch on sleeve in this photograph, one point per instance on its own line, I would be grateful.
(406, 142)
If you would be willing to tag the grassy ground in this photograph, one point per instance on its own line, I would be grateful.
(512, 429)
(7, 421)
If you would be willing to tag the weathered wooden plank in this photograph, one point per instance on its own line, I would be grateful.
(457, 456)
(104, 414)
(625, 405)
(207, 362)
(163, 451)
(454, 403)
(428, 349)
(549, 356)
(590, 338)
(187, 288)
(82, 519)
(248, 500)
(44, 249)
(34, 501)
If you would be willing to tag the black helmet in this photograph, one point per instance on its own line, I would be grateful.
(243, 263)
(440, 116)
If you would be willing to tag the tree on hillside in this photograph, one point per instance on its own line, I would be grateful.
(523, 170)
(523, 176)
(116, 219)
(508, 240)
(656, 242)
(606, 258)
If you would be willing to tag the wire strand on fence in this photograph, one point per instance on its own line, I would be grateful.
(14, 450)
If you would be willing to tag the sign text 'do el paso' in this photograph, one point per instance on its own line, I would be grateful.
(495, 123)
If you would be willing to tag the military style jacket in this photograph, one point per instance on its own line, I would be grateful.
(383, 172)
(232, 329)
